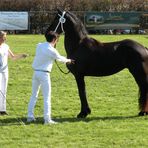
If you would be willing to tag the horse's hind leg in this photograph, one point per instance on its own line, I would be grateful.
(140, 73)
(144, 110)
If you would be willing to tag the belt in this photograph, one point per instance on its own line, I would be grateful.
(41, 70)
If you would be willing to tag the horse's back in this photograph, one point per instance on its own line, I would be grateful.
(98, 59)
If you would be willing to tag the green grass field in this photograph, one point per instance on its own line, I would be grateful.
(113, 122)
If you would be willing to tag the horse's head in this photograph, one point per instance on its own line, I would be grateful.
(60, 22)
(65, 21)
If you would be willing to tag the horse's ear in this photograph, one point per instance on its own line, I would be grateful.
(59, 10)
(67, 7)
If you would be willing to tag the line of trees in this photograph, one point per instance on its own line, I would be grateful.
(41, 11)
(74, 5)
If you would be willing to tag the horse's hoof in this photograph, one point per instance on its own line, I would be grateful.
(83, 114)
(143, 113)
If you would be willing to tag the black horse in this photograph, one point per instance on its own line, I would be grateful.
(93, 58)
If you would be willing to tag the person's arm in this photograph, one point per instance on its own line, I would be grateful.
(55, 54)
(16, 56)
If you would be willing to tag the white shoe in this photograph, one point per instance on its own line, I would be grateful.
(49, 122)
(31, 119)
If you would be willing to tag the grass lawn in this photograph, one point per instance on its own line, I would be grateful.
(113, 122)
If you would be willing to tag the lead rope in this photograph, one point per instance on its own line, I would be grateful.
(61, 69)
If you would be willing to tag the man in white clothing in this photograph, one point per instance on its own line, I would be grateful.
(46, 54)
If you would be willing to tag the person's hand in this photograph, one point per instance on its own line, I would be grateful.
(71, 61)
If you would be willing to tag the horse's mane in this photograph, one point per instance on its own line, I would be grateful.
(78, 25)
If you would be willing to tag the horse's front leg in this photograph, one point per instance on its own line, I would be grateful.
(85, 110)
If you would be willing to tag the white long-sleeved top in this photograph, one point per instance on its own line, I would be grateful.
(45, 56)
(4, 52)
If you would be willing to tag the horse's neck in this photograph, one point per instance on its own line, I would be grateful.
(72, 41)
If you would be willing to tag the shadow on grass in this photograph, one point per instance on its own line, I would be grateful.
(88, 119)
(39, 120)
(10, 121)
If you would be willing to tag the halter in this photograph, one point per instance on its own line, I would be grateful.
(62, 20)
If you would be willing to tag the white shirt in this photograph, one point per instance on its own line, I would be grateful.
(4, 52)
(45, 56)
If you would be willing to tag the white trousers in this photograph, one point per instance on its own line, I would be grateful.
(3, 90)
(41, 80)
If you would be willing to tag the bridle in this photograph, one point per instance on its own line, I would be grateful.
(62, 20)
